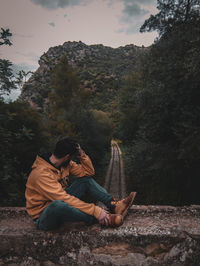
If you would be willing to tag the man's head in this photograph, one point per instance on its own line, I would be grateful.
(65, 146)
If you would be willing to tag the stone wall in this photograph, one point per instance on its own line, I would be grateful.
(150, 235)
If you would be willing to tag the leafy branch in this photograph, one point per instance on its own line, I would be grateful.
(4, 37)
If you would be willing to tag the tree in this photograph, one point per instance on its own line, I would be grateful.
(22, 134)
(127, 112)
(4, 37)
(163, 153)
(21, 77)
(6, 74)
(69, 113)
(65, 86)
(64, 89)
(94, 131)
(172, 13)
(7, 78)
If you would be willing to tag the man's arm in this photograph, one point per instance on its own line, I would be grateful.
(85, 168)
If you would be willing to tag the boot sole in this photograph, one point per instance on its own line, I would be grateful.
(117, 221)
(130, 204)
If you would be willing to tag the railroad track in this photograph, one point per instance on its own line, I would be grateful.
(115, 178)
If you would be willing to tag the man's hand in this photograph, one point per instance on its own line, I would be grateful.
(104, 218)
(80, 152)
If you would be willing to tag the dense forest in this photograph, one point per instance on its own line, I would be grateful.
(154, 112)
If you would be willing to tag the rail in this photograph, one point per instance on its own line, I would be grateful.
(115, 178)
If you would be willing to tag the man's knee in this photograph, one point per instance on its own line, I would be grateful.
(56, 205)
(87, 179)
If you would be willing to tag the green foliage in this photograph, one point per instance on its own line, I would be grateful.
(162, 116)
(95, 132)
(127, 114)
(4, 37)
(22, 77)
(6, 74)
(172, 13)
(7, 82)
(22, 135)
(70, 114)
(65, 86)
(63, 99)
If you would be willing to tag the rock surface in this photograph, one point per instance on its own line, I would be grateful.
(150, 235)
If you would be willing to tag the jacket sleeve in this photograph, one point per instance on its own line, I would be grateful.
(52, 190)
(85, 168)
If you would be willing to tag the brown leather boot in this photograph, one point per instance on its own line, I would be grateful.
(122, 206)
(115, 220)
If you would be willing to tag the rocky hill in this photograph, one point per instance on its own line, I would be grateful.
(100, 69)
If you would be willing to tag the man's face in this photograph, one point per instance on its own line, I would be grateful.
(66, 160)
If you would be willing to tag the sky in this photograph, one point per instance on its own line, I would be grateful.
(37, 25)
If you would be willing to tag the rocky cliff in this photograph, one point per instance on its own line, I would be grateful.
(100, 69)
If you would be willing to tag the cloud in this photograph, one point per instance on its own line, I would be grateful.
(133, 14)
(52, 24)
(126, 2)
(55, 4)
(132, 8)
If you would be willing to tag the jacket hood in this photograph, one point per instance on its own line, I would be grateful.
(42, 163)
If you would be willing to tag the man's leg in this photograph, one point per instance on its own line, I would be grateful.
(59, 212)
(87, 185)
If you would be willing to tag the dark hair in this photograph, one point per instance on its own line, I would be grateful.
(64, 146)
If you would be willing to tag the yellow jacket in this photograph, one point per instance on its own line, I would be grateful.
(46, 184)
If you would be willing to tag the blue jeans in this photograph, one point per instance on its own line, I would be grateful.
(58, 212)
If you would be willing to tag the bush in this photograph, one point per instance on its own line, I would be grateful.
(22, 135)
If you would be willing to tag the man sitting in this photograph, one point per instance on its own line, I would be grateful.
(50, 201)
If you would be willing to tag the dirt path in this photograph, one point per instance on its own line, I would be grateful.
(115, 178)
